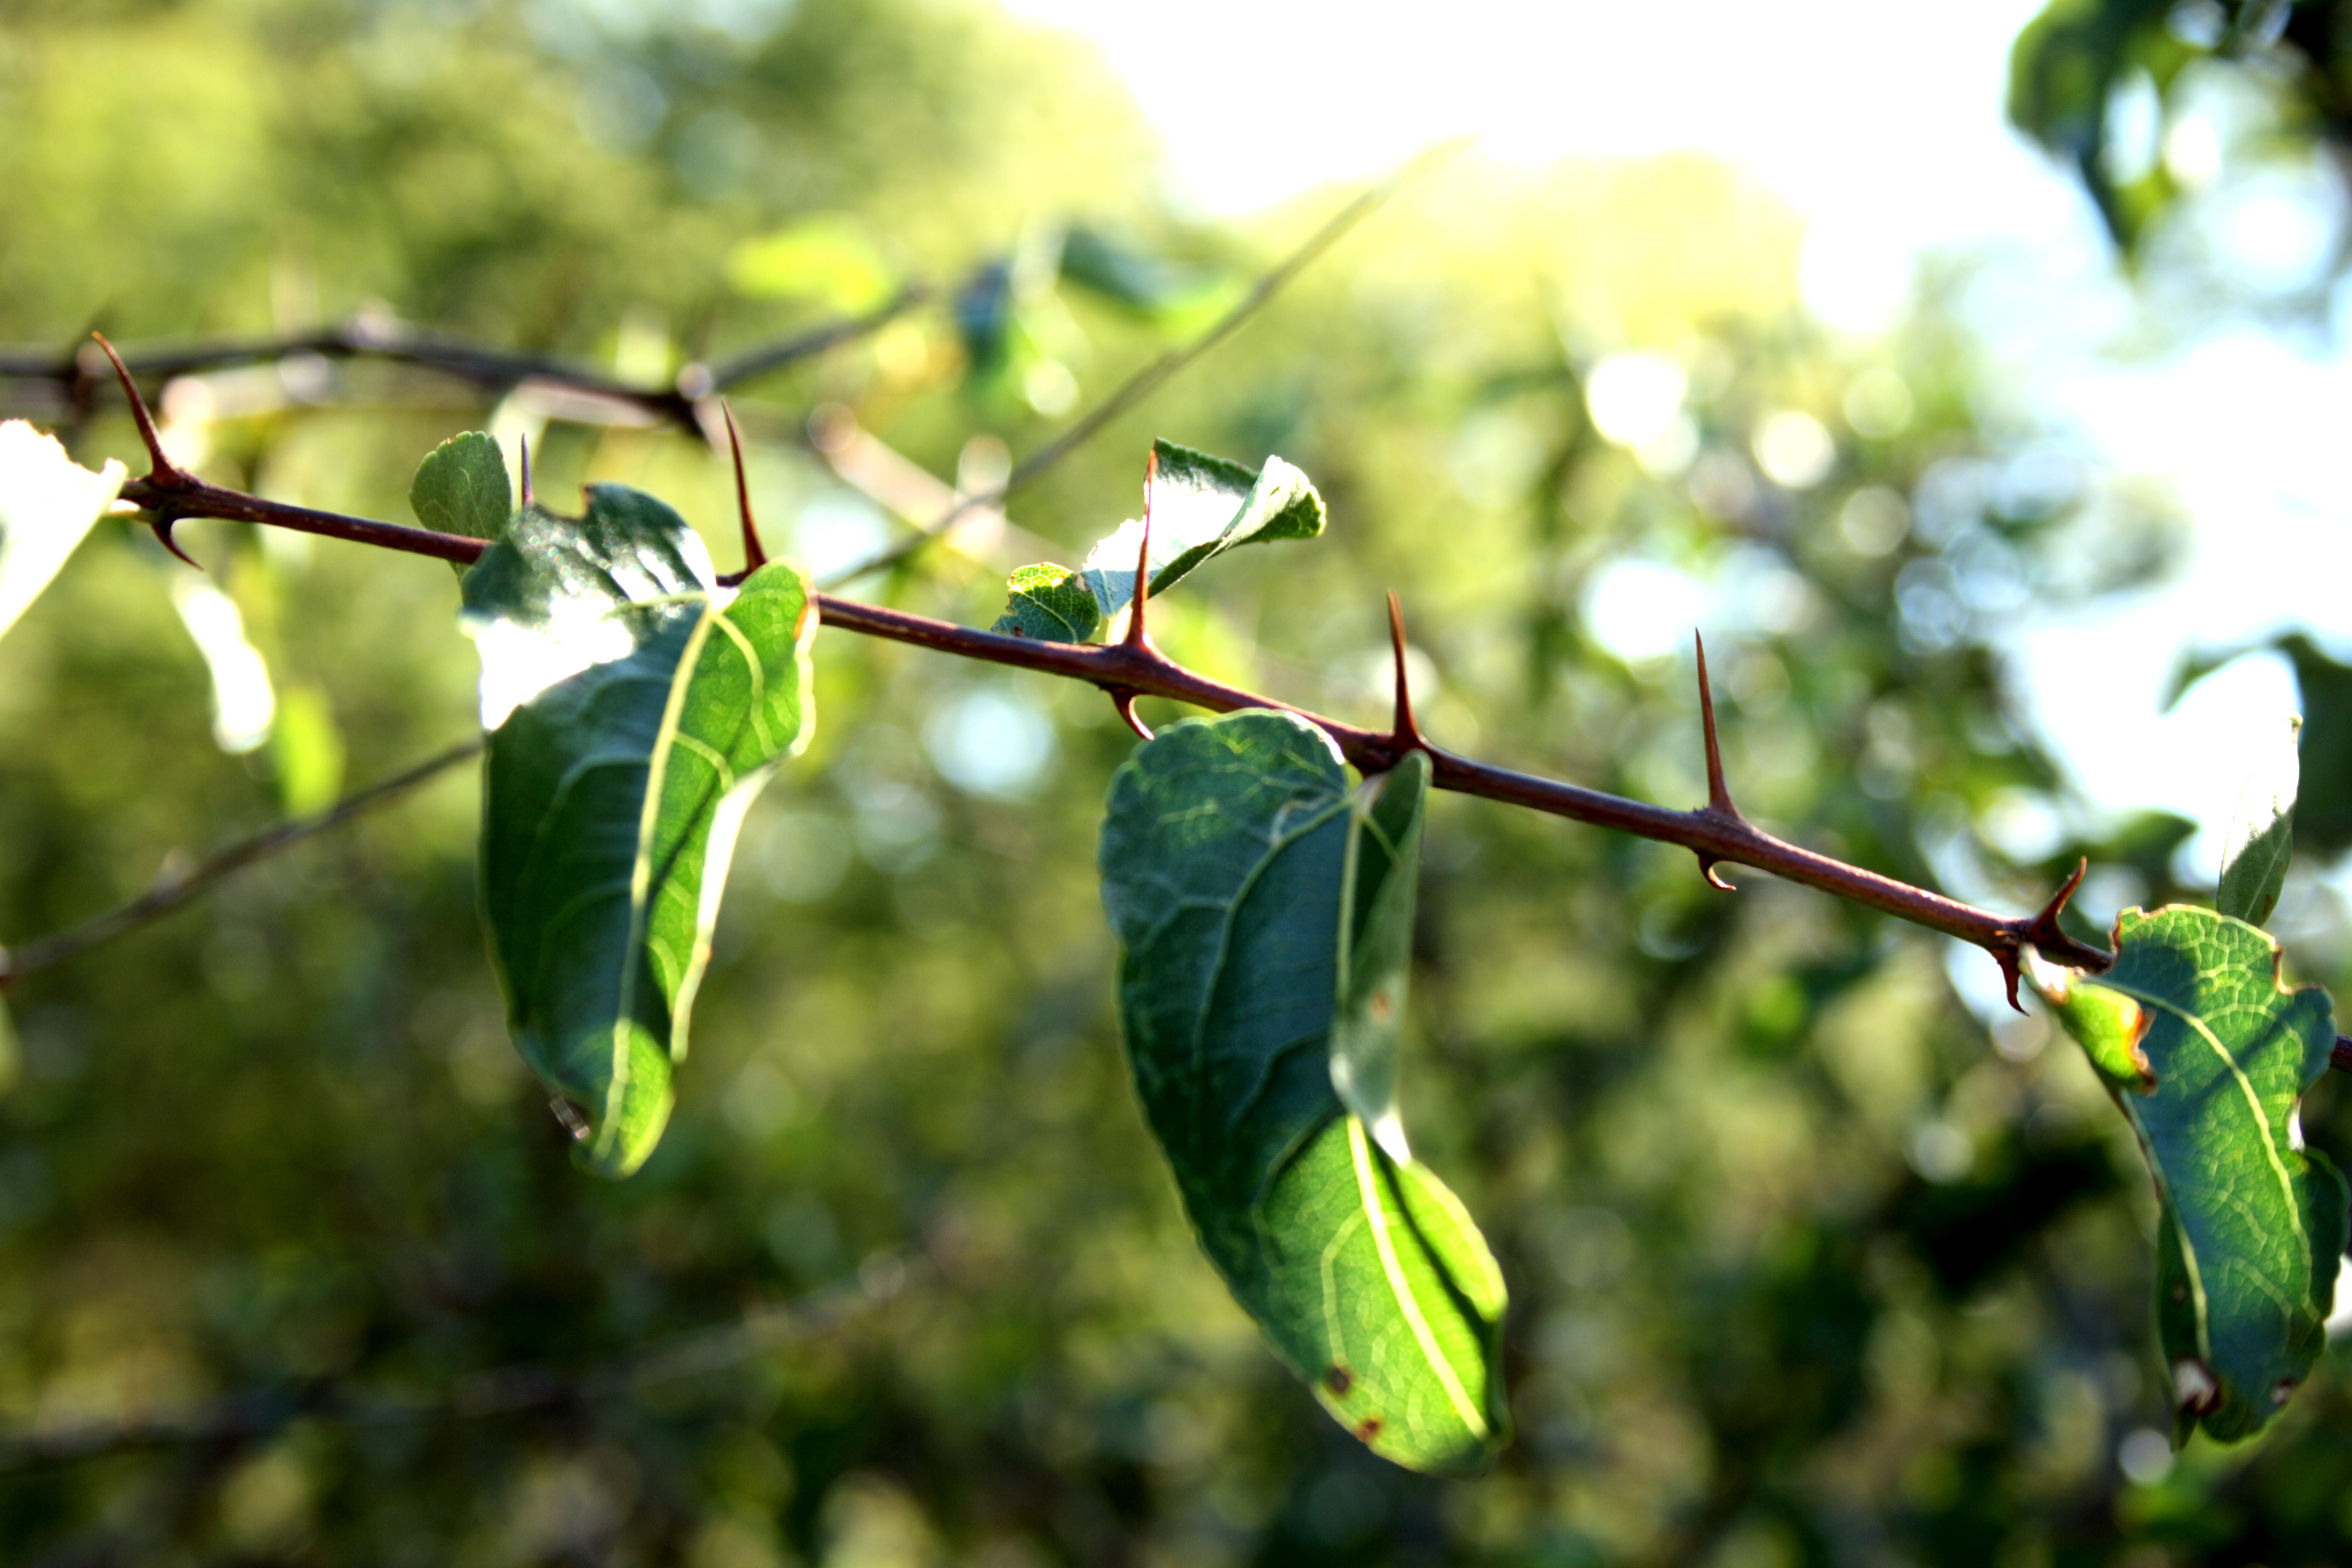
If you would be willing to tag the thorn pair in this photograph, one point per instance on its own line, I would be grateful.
(2042, 931)
(162, 474)
(1718, 794)
(1122, 698)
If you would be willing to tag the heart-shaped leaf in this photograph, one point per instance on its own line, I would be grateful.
(1264, 913)
(635, 708)
(2208, 1055)
(461, 487)
(47, 503)
(1201, 507)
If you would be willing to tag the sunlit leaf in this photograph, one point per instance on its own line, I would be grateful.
(461, 487)
(829, 259)
(47, 503)
(635, 709)
(245, 700)
(2323, 808)
(1263, 914)
(1200, 506)
(2260, 837)
(2208, 1054)
(1051, 604)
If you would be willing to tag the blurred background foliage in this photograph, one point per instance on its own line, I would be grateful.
(2213, 134)
(1817, 1255)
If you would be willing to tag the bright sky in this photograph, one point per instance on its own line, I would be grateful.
(1882, 124)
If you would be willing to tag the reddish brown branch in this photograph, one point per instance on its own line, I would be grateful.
(1133, 667)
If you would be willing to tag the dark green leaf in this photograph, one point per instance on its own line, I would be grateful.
(461, 487)
(1263, 914)
(2209, 1054)
(636, 708)
(1200, 506)
(1123, 273)
(1049, 603)
(2260, 838)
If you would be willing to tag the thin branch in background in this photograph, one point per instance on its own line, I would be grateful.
(79, 374)
(170, 892)
(501, 1391)
(1155, 374)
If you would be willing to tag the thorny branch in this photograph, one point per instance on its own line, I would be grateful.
(169, 493)
(1133, 667)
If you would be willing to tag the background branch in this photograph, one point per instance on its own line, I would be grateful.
(81, 374)
(170, 893)
(258, 1414)
(1161, 371)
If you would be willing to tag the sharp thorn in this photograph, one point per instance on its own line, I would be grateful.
(1402, 730)
(2046, 924)
(753, 556)
(2007, 957)
(162, 471)
(1718, 795)
(524, 442)
(1707, 868)
(1124, 701)
(1135, 633)
(162, 527)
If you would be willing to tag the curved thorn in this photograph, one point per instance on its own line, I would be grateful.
(1124, 700)
(2006, 956)
(524, 442)
(1403, 729)
(1718, 795)
(1135, 634)
(162, 527)
(753, 556)
(1707, 868)
(2046, 924)
(162, 471)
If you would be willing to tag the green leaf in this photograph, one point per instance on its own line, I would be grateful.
(1050, 604)
(1263, 914)
(1129, 275)
(635, 709)
(47, 504)
(2208, 1054)
(305, 751)
(829, 259)
(1377, 887)
(461, 487)
(2260, 838)
(1201, 507)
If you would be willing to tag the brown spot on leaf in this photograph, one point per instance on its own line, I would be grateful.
(2194, 1388)
(1368, 1428)
(1382, 1005)
(2138, 1018)
(1339, 1379)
